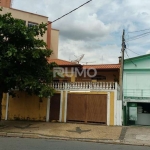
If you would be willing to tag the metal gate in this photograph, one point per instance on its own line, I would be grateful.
(86, 108)
(76, 110)
(54, 107)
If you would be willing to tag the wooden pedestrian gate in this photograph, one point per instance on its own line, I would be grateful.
(88, 108)
(54, 107)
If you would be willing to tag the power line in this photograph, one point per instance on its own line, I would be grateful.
(70, 11)
(138, 37)
(139, 30)
(132, 51)
(129, 58)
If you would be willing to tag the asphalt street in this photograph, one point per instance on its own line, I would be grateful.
(9, 143)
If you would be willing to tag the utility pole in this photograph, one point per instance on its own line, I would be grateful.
(121, 77)
(122, 66)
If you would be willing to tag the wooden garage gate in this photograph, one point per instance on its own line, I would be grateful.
(88, 108)
(54, 107)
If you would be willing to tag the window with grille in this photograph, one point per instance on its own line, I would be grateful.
(31, 24)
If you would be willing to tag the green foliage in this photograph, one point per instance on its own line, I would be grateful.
(23, 57)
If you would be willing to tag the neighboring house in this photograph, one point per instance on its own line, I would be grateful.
(50, 37)
(136, 84)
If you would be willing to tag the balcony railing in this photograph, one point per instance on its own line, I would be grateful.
(85, 86)
(136, 93)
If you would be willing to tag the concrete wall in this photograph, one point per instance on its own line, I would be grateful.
(25, 107)
(54, 43)
(136, 77)
(108, 74)
(51, 36)
(28, 17)
(137, 83)
(140, 63)
(69, 76)
(4, 106)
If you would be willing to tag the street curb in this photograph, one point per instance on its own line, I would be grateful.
(3, 133)
(40, 136)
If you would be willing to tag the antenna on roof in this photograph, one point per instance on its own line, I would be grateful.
(78, 59)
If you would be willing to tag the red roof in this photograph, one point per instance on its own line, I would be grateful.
(62, 62)
(102, 66)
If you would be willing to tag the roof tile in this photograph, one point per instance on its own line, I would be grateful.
(61, 62)
(102, 66)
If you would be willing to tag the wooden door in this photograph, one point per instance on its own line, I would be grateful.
(87, 108)
(97, 108)
(76, 107)
(54, 107)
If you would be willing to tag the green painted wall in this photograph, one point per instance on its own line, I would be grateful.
(136, 79)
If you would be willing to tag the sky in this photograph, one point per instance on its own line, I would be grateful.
(95, 29)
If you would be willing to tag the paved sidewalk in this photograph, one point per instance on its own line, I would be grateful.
(60, 130)
(138, 135)
(134, 135)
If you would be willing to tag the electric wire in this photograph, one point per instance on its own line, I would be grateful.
(138, 37)
(139, 30)
(70, 12)
(133, 51)
(129, 58)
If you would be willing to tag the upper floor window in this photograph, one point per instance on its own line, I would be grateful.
(31, 24)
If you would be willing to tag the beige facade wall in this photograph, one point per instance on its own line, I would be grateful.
(4, 106)
(54, 43)
(28, 17)
(111, 76)
(25, 107)
(35, 18)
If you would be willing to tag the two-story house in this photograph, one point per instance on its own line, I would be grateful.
(136, 84)
(86, 93)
